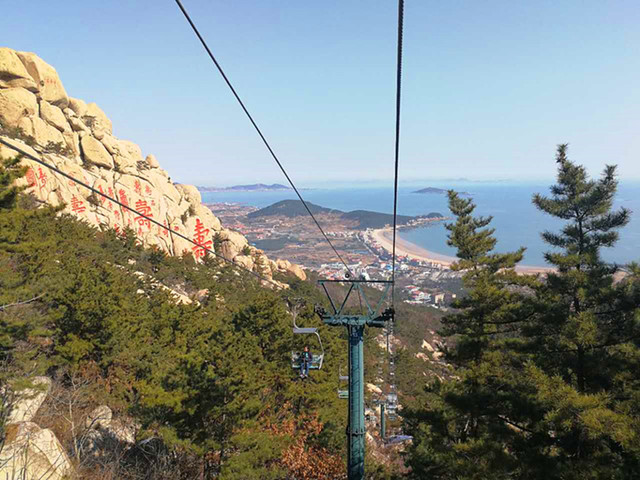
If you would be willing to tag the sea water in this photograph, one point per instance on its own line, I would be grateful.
(516, 220)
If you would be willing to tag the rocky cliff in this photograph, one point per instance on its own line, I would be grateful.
(37, 115)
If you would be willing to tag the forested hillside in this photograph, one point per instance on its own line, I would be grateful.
(206, 384)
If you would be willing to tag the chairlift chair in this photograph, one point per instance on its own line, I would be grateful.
(392, 406)
(318, 358)
(342, 394)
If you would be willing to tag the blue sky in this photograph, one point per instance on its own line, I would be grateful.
(489, 87)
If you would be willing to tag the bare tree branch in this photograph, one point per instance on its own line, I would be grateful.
(3, 307)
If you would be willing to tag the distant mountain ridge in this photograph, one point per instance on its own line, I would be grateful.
(255, 187)
(365, 218)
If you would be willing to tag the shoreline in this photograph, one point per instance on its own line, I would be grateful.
(383, 236)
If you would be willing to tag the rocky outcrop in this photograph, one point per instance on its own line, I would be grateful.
(101, 419)
(95, 152)
(374, 388)
(31, 452)
(105, 434)
(13, 72)
(29, 400)
(37, 115)
(48, 84)
(16, 104)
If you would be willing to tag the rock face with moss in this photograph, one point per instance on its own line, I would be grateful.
(38, 116)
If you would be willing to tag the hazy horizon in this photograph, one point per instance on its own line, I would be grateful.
(414, 183)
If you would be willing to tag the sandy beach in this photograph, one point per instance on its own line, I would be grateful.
(384, 238)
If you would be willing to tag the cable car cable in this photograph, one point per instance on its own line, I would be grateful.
(255, 126)
(392, 411)
(141, 215)
(397, 143)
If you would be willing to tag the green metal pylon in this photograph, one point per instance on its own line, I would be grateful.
(355, 326)
(383, 423)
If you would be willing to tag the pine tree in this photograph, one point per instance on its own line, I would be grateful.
(461, 428)
(583, 284)
(586, 334)
(10, 170)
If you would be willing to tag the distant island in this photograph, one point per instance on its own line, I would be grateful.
(365, 218)
(441, 191)
(256, 187)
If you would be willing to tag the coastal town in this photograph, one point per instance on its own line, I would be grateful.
(424, 278)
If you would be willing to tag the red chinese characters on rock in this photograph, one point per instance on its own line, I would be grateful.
(102, 197)
(163, 231)
(77, 205)
(144, 209)
(147, 189)
(123, 197)
(109, 203)
(200, 234)
(137, 187)
(42, 177)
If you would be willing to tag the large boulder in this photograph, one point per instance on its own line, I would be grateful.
(78, 125)
(29, 400)
(126, 154)
(131, 150)
(207, 217)
(73, 142)
(244, 261)
(6, 152)
(191, 193)
(78, 106)
(45, 133)
(111, 144)
(95, 153)
(46, 78)
(298, 271)
(13, 72)
(233, 244)
(152, 161)
(106, 434)
(287, 267)
(33, 453)
(15, 104)
(100, 417)
(54, 116)
(373, 388)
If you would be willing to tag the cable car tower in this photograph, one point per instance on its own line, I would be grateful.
(355, 324)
